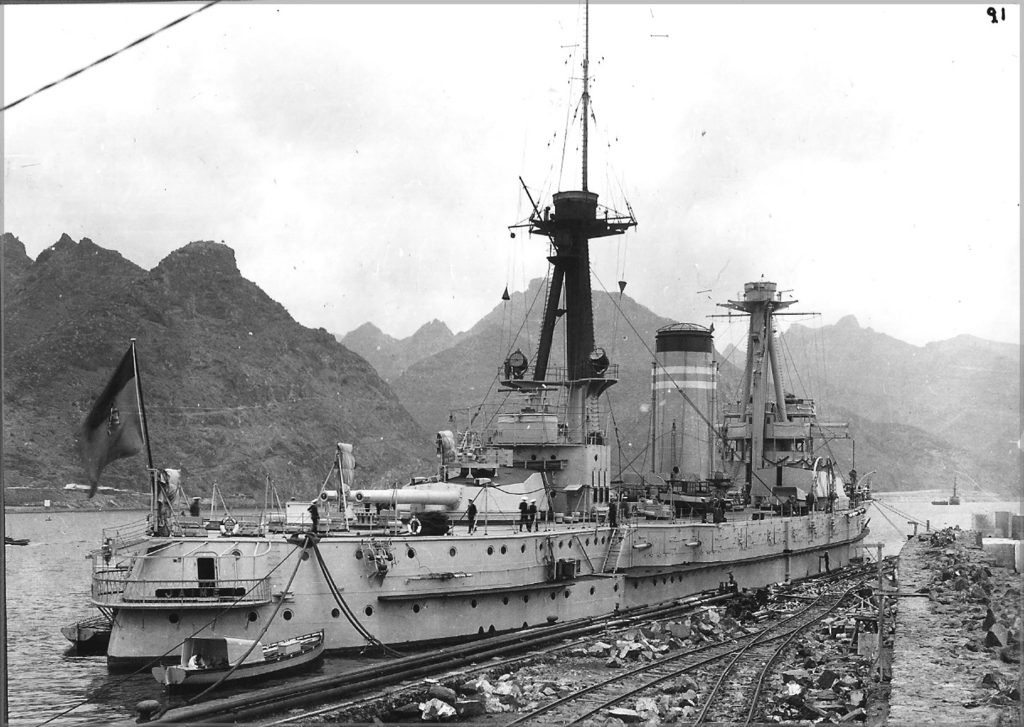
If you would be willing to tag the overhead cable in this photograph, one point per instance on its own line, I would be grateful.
(107, 57)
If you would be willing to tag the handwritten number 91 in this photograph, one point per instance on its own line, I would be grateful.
(1001, 16)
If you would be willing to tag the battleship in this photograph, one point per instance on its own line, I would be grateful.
(522, 523)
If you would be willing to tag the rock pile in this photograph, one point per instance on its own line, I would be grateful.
(962, 580)
(528, 687)
(830, 684)
(659, 637)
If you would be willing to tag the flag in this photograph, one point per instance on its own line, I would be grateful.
(113, 427)
(347, 463)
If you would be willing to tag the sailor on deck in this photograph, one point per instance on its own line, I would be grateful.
(524, 515)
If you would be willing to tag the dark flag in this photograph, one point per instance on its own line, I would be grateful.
(113, 428)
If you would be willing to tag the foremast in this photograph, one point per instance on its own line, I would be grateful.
(569, 224)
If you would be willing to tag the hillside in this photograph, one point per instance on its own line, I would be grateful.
(235, 389)
(963, 392)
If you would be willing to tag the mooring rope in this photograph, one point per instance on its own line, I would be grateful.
(345, 609)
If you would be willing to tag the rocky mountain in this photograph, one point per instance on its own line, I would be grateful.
(917, 414)
(964, 393)
(235, 390)
(391, 356)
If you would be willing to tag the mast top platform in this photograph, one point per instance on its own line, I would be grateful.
(575, 214)
(759, 294)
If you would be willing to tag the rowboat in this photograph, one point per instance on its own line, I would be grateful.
(206, 661)
(89, 636)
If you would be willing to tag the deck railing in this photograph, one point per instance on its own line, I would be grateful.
(114, 588)
(125, 536)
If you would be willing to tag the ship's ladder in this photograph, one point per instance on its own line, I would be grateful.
(612, 556)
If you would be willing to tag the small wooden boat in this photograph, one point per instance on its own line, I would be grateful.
(90, 636)
(204, 661)
(8, 540)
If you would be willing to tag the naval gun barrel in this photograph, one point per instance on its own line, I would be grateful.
(449, 497)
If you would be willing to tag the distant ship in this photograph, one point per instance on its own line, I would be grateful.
(555, 537)
(954, 499)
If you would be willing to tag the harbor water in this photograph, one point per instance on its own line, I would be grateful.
(48, 587)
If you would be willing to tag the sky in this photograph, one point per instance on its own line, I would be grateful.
(364, 161)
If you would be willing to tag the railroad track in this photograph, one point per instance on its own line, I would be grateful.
(316, 692)
(750, 666)
(588, 701)
(323, 695)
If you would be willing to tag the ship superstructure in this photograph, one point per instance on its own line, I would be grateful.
(773, 439)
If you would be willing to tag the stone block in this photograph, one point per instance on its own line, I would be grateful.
(443, 693)
(997, 635)
(469, 708)
(826, 679)
(629, 716)
(434, 710)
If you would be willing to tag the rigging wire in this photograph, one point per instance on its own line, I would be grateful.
(256, 642)
(711, 427)
(107, 57)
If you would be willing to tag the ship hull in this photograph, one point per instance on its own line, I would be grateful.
(410, 591)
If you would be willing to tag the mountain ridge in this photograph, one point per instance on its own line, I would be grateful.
(235, 390)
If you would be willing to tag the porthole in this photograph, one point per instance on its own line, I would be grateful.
(504, 550)
(552, 456)
(526, 598)
(411, 553)
(473, 603)
(416, 608)
(305, 555)
(522, 548)
(566, 594)
(287, 615)
(252, 616)
(553, 594)
(540, 546)
(602, 540)
(173, 618)
(368, 611)
(490, 550)
(595, 457)
(359, 554)
(592, 590)
(533, 457)
(588, 541)
(452, 551)
(335, 613)
(561, 543)
(504, 600)
(616, 588)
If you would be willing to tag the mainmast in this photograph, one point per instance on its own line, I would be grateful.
(586, 86)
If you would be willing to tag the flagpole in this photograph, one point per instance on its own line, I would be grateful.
(153, 495)
(142, 405)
